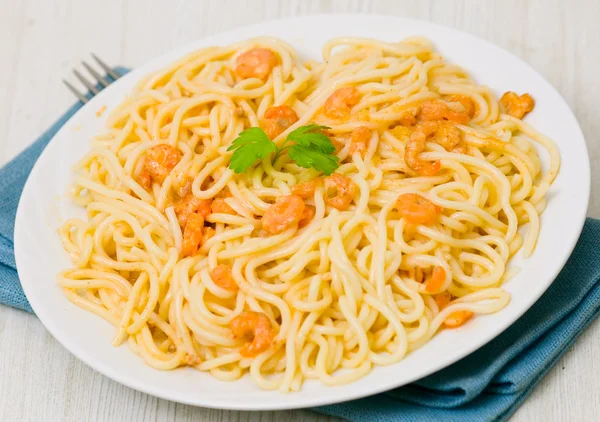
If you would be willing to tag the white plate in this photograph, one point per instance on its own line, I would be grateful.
(39, 254)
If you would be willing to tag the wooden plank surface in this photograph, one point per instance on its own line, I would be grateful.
(43, 39)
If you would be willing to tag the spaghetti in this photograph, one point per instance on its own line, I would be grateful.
(284, 272)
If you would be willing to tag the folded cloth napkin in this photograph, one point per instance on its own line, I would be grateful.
(487, 385)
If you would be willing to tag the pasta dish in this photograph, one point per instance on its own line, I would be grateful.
(249, 211)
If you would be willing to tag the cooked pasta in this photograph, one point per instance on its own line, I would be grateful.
(303, 264)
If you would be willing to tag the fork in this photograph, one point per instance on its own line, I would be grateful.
(102, 81)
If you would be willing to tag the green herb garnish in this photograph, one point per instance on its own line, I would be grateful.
(307, 146)
(251, 145)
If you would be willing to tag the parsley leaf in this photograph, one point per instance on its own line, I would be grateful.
(312, 136)
(308, 157)
(251, 145)
(310, 148)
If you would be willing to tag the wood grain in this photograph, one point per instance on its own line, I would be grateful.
(43, 39)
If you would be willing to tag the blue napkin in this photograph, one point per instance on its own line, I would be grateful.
(487, 385)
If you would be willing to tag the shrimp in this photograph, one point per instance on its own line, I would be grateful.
(416, 145)
(144, 179)
(204, 207)
(433, 110)
(192, 235)
(517, 106)
(337, 144)
(409, 116)
(417, 210)
(184, 187)
(255, 63)
(189, 205)
(337, 106)
(283, 214)
(455, 319)
(307, 215)
(458, 318)
(437, 280)
(222, 277)
(254, 327)
(208, 233)
(278, 119)
(465, 101)
(343, 190)
(442, 300)
(437, 110)
(219, 206)
(306, 190)
(160, 160)
(358, 141)
(450, 137)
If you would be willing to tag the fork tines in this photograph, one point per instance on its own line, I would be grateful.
(100, 83)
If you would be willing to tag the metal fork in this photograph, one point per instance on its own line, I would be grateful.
(103, 81)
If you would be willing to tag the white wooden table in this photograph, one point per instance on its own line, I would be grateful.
(43, 39)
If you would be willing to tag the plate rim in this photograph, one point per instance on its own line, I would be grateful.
(356, 393)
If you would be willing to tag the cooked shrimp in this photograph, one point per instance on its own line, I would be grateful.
(437, 110)
(307, 215)
(340, 191)
(458, 318)
(184, 187)
(359, 139)
(160, 160)
(189, 205)
(144, 179)
(417, 209)
(442, 300)
(466, 102)
(283, 214)
(192, 235)
(450, 137)
(255, 63)
(208, 233)
(222, 277)
(517, 106)
(416, 145)
(437, 280)
(338, 104)
(278, 119)
(204, 207)
(256, 329)
(433, 110)
(306, 190)
(337, 144)
(219, 206)
(409, 116)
